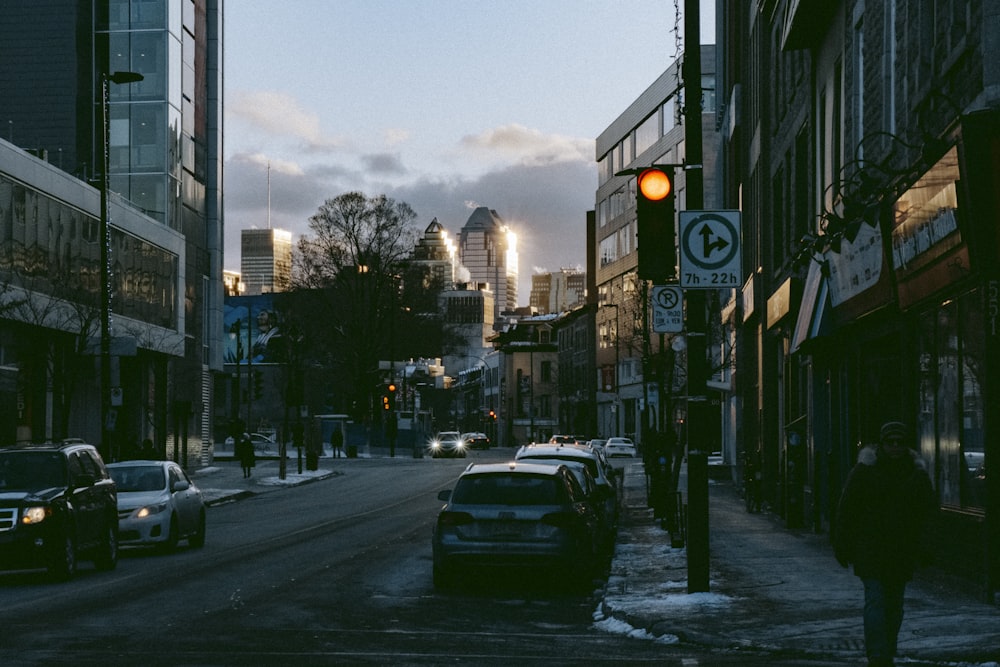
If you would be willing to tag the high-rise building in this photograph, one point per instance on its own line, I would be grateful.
(436, 255)
(265, 261)
(164, 148)
(557, 292)
(488, 249)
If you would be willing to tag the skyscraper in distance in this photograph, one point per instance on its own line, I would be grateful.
(265, 261)
(488, 249)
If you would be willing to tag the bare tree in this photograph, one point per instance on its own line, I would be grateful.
(353, 262)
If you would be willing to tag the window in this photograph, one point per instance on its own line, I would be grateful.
(647, 133)
(950, 428)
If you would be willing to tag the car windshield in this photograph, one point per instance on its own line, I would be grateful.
(137, 478)
(31, 471)
(507, 490)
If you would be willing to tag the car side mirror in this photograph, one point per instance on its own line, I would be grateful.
(444, 495)
(180, 485)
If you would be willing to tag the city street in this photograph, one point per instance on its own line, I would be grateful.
(336, 571)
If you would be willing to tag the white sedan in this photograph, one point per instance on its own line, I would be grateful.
(616, 447)
(158, 504)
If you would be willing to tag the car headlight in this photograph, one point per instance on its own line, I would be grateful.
(33, 515)
(150, 510)
(435, 444)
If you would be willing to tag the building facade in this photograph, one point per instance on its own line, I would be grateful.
(265, 261)
(487, 248)
(558, 292)
(861, 144)
(649, 131)
(165, 241)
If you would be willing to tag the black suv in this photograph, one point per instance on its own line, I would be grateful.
(57, 504)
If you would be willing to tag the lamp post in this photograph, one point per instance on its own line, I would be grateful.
(105, 234)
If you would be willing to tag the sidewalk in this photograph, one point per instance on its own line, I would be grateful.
(775, 590)
(223, 481)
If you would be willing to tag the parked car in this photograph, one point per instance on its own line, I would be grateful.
(596, 443)
(158, 504)
(476, 440)
(58, 505)
(515, 514)
(448, 444)
(602, 472)
(607, 519)
(616, 446)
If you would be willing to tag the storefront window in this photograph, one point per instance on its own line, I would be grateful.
(950, 430)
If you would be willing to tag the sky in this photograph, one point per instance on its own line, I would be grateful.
(445, 105)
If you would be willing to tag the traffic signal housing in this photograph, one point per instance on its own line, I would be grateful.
(258, 385)
(655, 221)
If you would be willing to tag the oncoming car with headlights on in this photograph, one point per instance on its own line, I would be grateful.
(158, 504)
(448, 444)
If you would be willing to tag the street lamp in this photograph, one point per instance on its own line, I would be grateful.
(105, 235)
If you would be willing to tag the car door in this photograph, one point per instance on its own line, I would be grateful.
(185, 499)
(83, 475)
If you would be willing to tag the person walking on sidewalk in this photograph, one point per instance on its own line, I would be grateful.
(884, 508)
(244, 452)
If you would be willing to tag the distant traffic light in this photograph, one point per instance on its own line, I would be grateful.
(655, 221)
(493, 414)
(389, 398)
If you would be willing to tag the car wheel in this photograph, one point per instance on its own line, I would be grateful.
(107, 554)
(198, 539)
(63, 565)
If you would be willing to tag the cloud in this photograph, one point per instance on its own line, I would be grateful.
(545, 203)
(280, 115)
(384, 163)
(527, 146)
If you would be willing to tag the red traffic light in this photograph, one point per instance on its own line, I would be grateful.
(392, 387)
(654, 184)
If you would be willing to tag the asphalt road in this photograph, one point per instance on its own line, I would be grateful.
(333, 572)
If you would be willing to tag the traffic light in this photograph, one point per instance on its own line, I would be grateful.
(655, 220)
(258, 385)
(389, 398)
(493, 414)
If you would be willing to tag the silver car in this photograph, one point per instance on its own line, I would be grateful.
(158, 504)
(515, 514)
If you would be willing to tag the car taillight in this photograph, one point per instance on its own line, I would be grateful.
(451, 519)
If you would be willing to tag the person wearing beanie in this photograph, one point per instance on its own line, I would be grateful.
(883, 511)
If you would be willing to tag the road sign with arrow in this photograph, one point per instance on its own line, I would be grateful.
(709, 249)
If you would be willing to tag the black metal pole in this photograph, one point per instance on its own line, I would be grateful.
(698, 414)
(105, 260)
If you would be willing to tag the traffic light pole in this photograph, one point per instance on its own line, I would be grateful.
(698, 414)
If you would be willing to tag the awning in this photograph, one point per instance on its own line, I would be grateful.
(814, 311)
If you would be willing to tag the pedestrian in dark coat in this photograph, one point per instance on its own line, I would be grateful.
(883, 511)
(244, 452)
